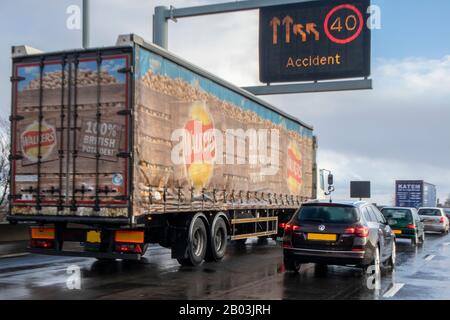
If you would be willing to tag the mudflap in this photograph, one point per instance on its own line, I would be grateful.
(180, 245)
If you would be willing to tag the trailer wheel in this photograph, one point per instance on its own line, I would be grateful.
(218, 243)
(198, 241)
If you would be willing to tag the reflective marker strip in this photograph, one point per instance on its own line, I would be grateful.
(393, 291)
(130, 236)
(430, 257)
(43, 233)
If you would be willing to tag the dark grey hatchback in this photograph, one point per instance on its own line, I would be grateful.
(340, 233)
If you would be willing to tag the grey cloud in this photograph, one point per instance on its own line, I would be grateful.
(396, 121)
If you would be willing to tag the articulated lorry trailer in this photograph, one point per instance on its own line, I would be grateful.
(120, 147)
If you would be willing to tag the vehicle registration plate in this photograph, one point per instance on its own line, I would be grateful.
(93, 237)
(322, 237)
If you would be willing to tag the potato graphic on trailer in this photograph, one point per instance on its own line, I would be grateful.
(294, 168)
(202, 148)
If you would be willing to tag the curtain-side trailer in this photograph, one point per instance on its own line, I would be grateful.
(119, 147)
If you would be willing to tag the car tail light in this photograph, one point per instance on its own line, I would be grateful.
(287, 237)
(42, 244)
(362, 232)
(129, 248)
(282, 225)
(291, 227)
(349, 231)
(442, 220)
(359, 231)
(411, 226)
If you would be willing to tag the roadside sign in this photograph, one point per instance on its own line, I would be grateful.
(314, 41)
(360, 189)
(409, 194)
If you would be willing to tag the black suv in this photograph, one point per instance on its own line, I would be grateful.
(340, 233)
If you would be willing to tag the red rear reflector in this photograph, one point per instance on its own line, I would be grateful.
(42, 244)
(133, 248)
(357, 249)
(43, 233)
(129, 236)
(411, 226)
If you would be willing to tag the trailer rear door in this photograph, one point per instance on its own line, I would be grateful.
(70, 134)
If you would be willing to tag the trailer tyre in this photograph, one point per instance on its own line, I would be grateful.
(218, 243)
(197, 245)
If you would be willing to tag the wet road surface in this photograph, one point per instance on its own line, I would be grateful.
(254, 271)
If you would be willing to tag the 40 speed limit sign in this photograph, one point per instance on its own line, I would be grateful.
(316, 40)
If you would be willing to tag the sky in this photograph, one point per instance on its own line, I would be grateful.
(398, 130)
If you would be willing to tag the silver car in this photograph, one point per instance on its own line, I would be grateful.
(434, 219)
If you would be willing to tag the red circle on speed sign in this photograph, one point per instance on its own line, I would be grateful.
(349, 39)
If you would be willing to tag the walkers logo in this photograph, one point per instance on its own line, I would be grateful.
(200, 152)
(294, 168)
(30, 141)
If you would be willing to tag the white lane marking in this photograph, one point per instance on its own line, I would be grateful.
(430, 257)
(15, 255)
(393, 291)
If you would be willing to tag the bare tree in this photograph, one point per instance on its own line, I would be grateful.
(4, 165)
(447, 202)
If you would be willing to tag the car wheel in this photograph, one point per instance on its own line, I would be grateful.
(392, 260)
(375, 266)
(415, 240)
(422, 238)
(377, 261)
(291, 265)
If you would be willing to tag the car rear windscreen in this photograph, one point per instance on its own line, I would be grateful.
(397, 214)
(430, 212)
(327, 214)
